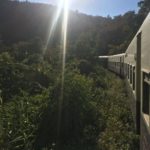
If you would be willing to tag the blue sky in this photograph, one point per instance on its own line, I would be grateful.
(99, 7)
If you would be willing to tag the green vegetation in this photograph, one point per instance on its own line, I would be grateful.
(93, 115)
(118, 133)
(94, 111)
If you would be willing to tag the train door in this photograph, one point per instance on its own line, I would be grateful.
(138, 82)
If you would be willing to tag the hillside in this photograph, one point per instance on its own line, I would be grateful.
(23, 21)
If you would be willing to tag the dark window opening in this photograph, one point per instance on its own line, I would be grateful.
(130, 74)
(133, 78)
(146, 94)
(125, 69)
(128, 71)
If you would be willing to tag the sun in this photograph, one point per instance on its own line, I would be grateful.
(62, 8)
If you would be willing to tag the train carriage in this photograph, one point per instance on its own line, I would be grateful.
(134, 65)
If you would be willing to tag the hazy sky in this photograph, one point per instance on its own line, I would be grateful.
(99, 7)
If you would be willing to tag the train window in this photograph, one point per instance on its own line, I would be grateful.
(134, 78)
(146, 97)
(128, 71)
(125, 69)
(130, 74)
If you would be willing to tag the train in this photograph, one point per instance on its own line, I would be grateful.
(134, 66)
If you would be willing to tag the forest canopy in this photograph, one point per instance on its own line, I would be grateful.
(24, 21)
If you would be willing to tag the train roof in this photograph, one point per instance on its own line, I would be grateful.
(112, 56)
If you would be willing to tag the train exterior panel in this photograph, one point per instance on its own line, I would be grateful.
(145, 40)
(134, 65)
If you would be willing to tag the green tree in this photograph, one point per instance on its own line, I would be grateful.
(144, 8)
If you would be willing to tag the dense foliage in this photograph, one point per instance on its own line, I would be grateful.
(93, 115)
(87, 113)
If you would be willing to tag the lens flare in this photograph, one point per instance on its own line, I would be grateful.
(64, 41)
(64, 8)
(64, 33)
(54, 22)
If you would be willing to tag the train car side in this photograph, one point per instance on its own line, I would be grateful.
(134, 65)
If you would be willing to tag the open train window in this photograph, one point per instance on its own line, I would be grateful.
(128, 71)
(125, 68)
(133, 78)
(146, 97)
(130, 74)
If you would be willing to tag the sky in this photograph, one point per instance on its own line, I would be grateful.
(99, 7)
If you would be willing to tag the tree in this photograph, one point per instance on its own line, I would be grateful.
(144, 7)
